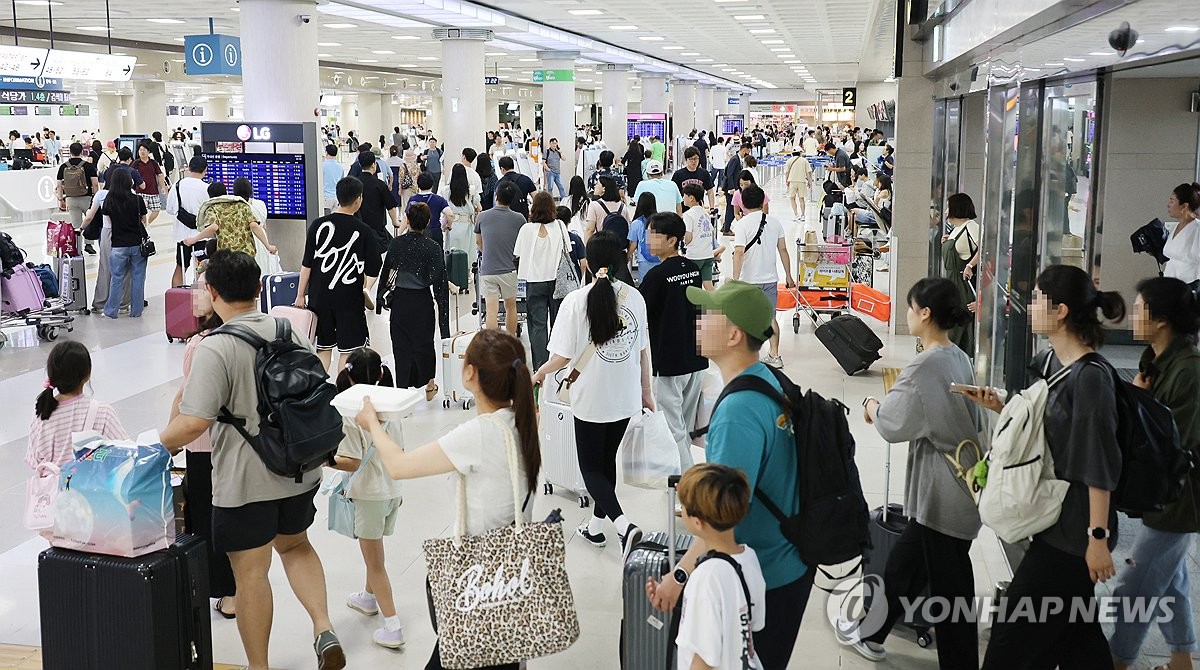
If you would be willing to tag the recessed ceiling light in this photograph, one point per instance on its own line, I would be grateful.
(164, 21)
(585, 12)
(405, 37)
(177, 39)
(789, 62)
(427, 57)
(672, 48)
(721, 2)
(622, 27)
(329, 44)
(495, 53)
(762, 31)
(1075, 60)
(1183, 29)
(39, 3)
(1054, 64)
(410, 65)
(786, 55)
(340, 26)
(771, 42)
(781, 48)
(651, 38)
(94, 29)
(383, 52)
(704, 60)
(690, 53)
(749, 17)
(527, 60)
(368, 60)
(235, 9)
(318, 56)
(1101, 53)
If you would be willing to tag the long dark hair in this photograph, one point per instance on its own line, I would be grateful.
(945, 303)
(579, 195)
(604, 250)
(459, 186)
(499, 362)
(1172, 301)
(1071, 286)
(612, 193)
(68, 367)
(647, 204)
(483, 165)
(364, 366)
(121, 202)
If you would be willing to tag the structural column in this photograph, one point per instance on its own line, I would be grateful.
(654, 94)
(433, 121)
(463, 121)
(558, 106)
(743, 107)
(217, 108)
(348, 115)
(705, 116)
(615, 107)
(149, 107)
(526, 114)
(280, 83)
(683, 98)
(111, 121)
(491, 118)
(370, 118)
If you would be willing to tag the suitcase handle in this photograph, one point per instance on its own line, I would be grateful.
(672, 484)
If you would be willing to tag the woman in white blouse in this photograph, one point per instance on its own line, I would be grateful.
(1183, 246)
(541, 244)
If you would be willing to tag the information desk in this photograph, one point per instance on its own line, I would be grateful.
(29, 194)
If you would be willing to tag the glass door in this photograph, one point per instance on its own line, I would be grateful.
(1068, 166)
(937, 195)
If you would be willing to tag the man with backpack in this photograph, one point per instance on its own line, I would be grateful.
(255, 508)
(752, 432)
(525, 185)
(77, 183)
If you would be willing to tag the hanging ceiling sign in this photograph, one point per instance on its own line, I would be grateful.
(30, 83)
(21, 61)
(212, 54)
(94, 67)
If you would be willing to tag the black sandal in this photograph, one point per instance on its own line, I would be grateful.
(217, 608)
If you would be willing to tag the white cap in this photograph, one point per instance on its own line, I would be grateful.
(654, 167)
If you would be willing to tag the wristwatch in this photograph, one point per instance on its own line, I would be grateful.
(867, 400)
(681, 576)
(1099, 533)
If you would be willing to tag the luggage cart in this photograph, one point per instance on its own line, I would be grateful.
(823, 283)
(480, 306)
(48, 321)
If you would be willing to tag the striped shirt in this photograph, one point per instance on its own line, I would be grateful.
(50, 440)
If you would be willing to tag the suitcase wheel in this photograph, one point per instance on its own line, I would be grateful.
(796, 323)
(548, 489)
(170, 339)
(585, 502)
(924, 639)
(467, 403)
(446, 403)
(47, 333)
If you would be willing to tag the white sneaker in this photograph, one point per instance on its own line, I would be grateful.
(363, 602)
(774, 361)
(392, 639)
(870, 650)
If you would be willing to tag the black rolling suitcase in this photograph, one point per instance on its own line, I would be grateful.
(105, 612)
(852, 342)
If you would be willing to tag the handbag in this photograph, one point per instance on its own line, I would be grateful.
(502, 596)
(565, 280)
(146, 247)
(406, 181)
(966, 473)
(41, 489)
(341, 505)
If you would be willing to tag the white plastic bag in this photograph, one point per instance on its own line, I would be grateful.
(648, 451)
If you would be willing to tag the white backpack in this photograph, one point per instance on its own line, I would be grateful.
(1022, 496)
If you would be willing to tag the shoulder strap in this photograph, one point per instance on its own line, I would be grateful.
(242, 333)
(762, 225)
(737, 567)
(89, 420)
(606, 212)
(747, 383)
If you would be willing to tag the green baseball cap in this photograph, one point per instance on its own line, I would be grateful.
(743, 304)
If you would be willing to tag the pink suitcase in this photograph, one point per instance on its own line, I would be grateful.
(22, 291)
(181, 321)
(304, 321)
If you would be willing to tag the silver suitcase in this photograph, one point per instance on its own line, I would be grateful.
(648, 635)
(560, 460)
(72, 285)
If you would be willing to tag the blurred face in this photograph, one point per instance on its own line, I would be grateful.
(1046, 317)
(202, 306)
(1145, 328)
(714, 333)
(693, 163)
(660, 245)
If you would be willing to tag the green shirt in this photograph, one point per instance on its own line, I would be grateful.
(658, 152)
(1175, 381)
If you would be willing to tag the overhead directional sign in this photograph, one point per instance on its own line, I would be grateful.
(33, 97)
(212, 54)
(30, 83)
(733, 101)
(491, 81)
(21, 61)
(544, 76)
(94, 67)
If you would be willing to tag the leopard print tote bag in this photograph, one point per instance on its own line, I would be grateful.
(502, 596)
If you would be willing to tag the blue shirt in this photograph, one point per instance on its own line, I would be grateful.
(744, 433)
(666, 193)
(637, 234)
(331, 172)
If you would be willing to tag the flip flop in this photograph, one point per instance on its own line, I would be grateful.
(217, 608)
(431, 393)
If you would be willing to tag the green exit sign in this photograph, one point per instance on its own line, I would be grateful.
(543, 76)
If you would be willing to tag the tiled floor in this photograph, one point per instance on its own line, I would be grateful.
(138, 371)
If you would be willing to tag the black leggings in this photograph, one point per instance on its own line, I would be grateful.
(197, 519)
(596, 446)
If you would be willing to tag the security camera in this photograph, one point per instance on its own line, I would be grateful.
(305, 18)
(1123, 38)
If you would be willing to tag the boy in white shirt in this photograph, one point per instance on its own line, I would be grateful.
(724, 602)
(755, 239)
(700, 240)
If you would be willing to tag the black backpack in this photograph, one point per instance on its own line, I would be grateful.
(832, 526)
(298, 430)
(10, 254)
(1154, 464)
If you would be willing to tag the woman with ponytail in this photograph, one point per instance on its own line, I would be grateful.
(933, 551)
(602, 333)
(1166, 315)
(494, 371)
(62, 409)
(1183, 246)
(1065, 561)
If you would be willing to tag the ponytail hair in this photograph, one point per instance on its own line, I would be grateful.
(1173, 302)
(604, 251)
(503, 376)
(364, 366)
(1189, 194)
(68, 367)
(1071, 286)
(943, 300)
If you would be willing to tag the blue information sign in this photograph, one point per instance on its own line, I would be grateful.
(17, 83)
(733, 101)
(212, 54)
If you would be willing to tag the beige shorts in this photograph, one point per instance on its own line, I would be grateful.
(797, 190)
(375, 519)
(502, 286)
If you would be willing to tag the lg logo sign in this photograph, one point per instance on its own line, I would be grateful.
(246, 133)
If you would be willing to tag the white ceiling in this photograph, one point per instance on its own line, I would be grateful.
(830, 42)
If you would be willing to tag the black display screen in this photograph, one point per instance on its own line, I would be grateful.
(278, 179)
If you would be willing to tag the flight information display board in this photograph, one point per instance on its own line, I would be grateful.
(647, 126)
(731, 124)
(278, 179)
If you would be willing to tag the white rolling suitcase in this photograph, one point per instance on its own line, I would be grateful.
(454, 352)
(560, 461)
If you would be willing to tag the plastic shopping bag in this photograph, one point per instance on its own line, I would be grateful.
(40, 491)
(114, 498)
(649, 454)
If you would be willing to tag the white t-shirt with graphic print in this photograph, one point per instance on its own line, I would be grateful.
(716, 624)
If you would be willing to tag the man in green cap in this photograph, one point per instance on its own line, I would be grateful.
(749, 431)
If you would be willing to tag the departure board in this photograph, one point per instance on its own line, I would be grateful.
(647, 126)
(278, 179)
(731, 124)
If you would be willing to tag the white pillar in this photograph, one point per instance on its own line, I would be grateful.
(280, 80)
(743, 108)
(433, 121)
(705, 117)
(128, 116)
(654, 93)
(111, 123)
(721, 101)
(491, 115)
(463, 92)
(149, 107)
(527, 119)
(217, 108)
(370, 118)
(683, 98)
(615, 107)
(348, 115)
(558, 107)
